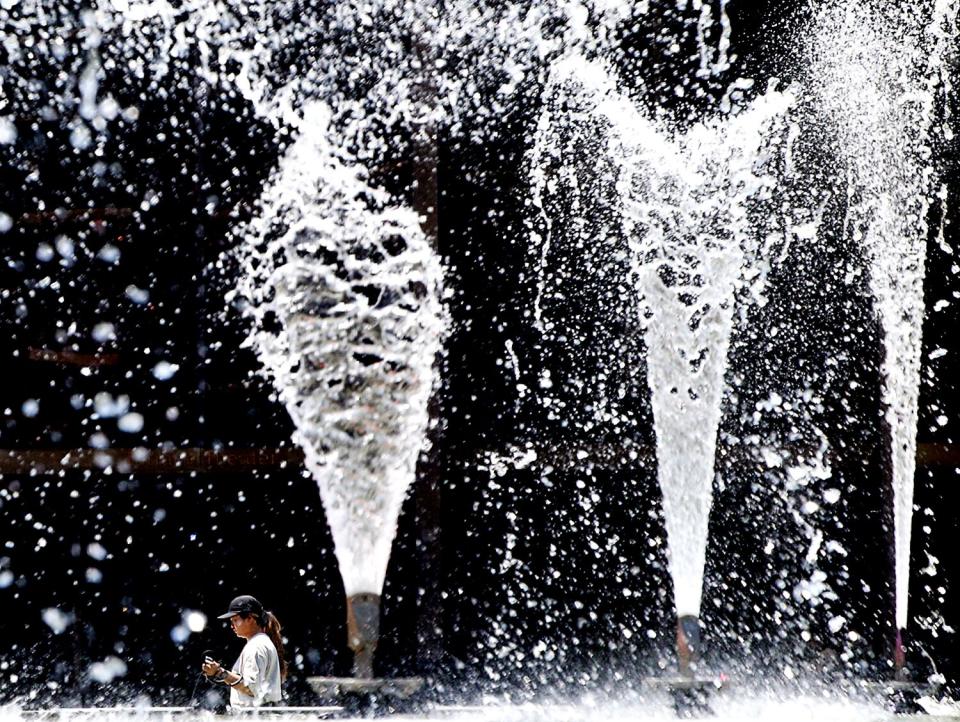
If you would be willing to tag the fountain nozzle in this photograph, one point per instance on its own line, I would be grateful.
(689, 645)
(363, 631)
(900, 671)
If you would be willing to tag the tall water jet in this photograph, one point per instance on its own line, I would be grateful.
(341, 277)
(343, 290)
(697, 213)
(877, 73)
(696, 244)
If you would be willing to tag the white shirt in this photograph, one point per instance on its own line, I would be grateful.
(259, 666)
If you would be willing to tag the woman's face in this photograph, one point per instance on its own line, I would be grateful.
(244, 627)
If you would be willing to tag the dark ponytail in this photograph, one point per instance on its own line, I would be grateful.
(271, 627)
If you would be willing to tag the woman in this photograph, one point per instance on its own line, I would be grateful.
(255, 677)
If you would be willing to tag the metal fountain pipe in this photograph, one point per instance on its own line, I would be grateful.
(689, 645)
(363, 631)
(900, 671)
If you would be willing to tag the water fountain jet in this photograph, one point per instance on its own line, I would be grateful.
(878, 72)
(343, 287)
(686, 200)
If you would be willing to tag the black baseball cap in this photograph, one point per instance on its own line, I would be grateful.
(244, 604)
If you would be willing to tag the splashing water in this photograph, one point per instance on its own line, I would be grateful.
(338, 278)
(874, 76)
(692, 213)
(876, 73)
(343, 286)
(344, 291)
(694, 246)
(778, 704)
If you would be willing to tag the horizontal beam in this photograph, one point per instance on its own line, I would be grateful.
(150, 461)
(938, 454)
(66, 357)
(76, 215)
(175, 461)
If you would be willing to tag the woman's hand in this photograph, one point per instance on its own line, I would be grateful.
(211, 668)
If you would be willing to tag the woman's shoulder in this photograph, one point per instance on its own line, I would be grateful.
(261, 640)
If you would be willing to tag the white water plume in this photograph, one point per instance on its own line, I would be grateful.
(340, 281)
(695, 214)
(344, 292)
(694, 245)
(366, 83)
(877, 73)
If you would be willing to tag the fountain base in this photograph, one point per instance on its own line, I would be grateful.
(332, 687)
(689, 695)
(903, 696)
(689, 692)
(368, 696)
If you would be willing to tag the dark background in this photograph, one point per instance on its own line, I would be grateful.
(524, 589)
